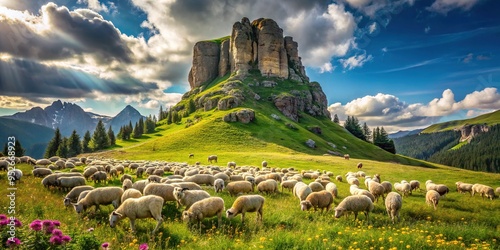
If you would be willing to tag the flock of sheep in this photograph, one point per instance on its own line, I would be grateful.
(183, 184)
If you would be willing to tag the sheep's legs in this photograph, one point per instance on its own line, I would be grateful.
(159, 220)
(132, 225)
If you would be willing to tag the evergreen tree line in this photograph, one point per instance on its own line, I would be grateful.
(378, 137)
(141, 127)
(481, 154)
(423, 146)
(175, 116)
(18, 149)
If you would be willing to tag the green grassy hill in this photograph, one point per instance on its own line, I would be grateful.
(205, 132)
(488, 119)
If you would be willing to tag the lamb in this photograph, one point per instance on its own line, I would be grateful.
(432, 198)
(166, 191)
(268, 186)
(289, 184)
(414, 184)
(41, 172)
(99, 176)
(127, 184)
(50, 181)
(140, 185)
(246, 203)
(73, 195)
(464, 187)
(322, 199)
(130, 193)
(332, 188)
(205, 208)
(301, 190)
(67, 183)
(237, 187)
(376, 189)
(187, 198)
(393, 204)
(139, 208)
(231, 164)
(355, 203)
(100, 196)
(316, 186)
(218, 185)
(212, 158)
(201, 179)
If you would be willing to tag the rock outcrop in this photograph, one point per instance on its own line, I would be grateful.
(242, 115)
(468, 132)
(206, 57)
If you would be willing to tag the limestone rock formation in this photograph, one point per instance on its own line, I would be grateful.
(468, 132)
(205, 63)
(271, 54)
(243, 115)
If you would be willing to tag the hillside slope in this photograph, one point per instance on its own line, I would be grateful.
(33, 137)
(488, 119)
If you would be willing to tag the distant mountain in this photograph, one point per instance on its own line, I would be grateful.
(69, 116)
(33, 137)
(402, 133)
(487, 119)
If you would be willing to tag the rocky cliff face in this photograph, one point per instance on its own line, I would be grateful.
(257, 46)
(468, 132)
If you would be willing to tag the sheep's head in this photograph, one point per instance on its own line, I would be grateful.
(339, 211)
(230, 213)
(187, 216)
(79, 207)
(305, 205)
(114, 218)
(67, 202)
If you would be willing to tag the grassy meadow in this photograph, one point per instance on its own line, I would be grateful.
(460, 222)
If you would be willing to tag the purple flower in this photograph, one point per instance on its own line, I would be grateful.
(17, 223)
(49, 229)
(4, 222)
(105, 245)
(47, 223)
(36, 225)
(66, 238)
(3, 217)
(144, 246)
(57, 232)
(13, 242)
(55, 240)
(56, 223)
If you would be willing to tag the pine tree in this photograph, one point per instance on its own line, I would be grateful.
(100, 138)
(191, 106)
(85, 142)
(381, 139)
(136, 132)
(169, 117)
(111, 136)
(141, 126)
(352, 125)
(18, 149)
(336, 119)
(366, 132)
(53, 145)
(74, 146)
(62, 151)
(160, 114)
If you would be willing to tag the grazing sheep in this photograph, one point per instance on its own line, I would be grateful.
(218, 185)
(188, 185)
(338, 178)
(231, 164)
(432, 198)
(355, 203)
(124, 177)
(191, 155)
(154, 178)
(15, 175)
(187, 198)
(288, 184)
(387, 186)
(464, 187)
(222, 176)
(301, 190)
(440, 188)
(191, 172)
(353, 181)
(403, 188)
(483, 190)
(237, 177)
(113, 173)
(99, 176)
(140, 185)
(237, 187)
(130, 193)
(89, 172)
(346, 156)
(316, 186)
(360, 165)
(166, 191)
(414, 184)
(159, 172)
(201, 179)
(274, 176)
(365, 193)
(120, 169)
(127, 184)
(41, 172)
(332, 188)
(100, 196)
(268, 186)
(497, 190)
(393, 203)
(138, 208)
(246, 203)
(50, 180)
(73, 195)
(376, 189)
(82, 195)
(139, 172)
(67, 183)
(205, 208)
(322, 199)
(264, 164)
(212, 158)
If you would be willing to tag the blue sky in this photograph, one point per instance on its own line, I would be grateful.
(399, 64)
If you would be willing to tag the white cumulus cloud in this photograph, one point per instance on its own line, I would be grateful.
(445, 6)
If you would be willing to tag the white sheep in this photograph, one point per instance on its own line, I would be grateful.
(99, 176)
(206, 208)
(268, 186)
(244, 204)
(264, 164)
(440, 188)
(165, 191)
(140, 185)
(403, 188)
(15, 175)
(188, 185)
(393, 204)
(124, 177)
(464, 187)
(414, 184)
(483, 190)
(387, 186)
(41, 172)
(154, 178)
(212, 158)
(497, 190)
(301, 190)
(332, 188)
(322, 199)
(201, 179)
(338, 178)
(231, 164)
(237, 187)
(432, 198)
(138, 208)
(89, 172)
(376, 189)
(222, 176)
(187, 197)
(73, 195)
(100, 196)
(316, 186)
(288, 184)
(140, 171)
(67, 183)
(355, 204)
(353, 181)
(127, 184)
(130, 193)
(218, 185)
